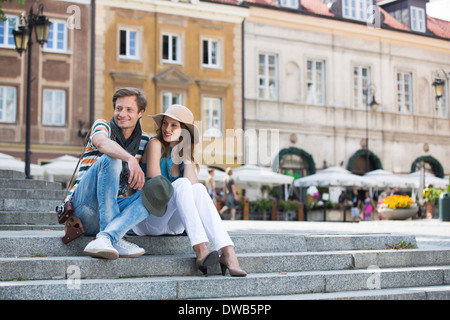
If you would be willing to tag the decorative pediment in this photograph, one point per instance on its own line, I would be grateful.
(128, 76)
(173, 76)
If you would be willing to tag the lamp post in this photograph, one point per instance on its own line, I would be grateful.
(372, 106)
(22, 40)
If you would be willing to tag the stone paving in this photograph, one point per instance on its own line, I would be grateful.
(429, 233)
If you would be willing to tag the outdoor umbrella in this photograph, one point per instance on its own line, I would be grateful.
(60, 169)
(385, 179)
(250, 176)
(429, 179)
(8, 162)
(335, 177)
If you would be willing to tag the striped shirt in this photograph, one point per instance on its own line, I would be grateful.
(91, 153)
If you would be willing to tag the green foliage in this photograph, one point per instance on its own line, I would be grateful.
(288, 205)
(2, 13)
(261, 205)
(431, 195)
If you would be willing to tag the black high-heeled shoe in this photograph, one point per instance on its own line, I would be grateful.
(233, 272)
(210, 259)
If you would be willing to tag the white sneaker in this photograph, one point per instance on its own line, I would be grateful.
(127, 249)
(101, 248)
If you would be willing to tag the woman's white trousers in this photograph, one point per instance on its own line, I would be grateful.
(190, 209)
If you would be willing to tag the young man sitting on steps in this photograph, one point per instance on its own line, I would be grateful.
(109, 167)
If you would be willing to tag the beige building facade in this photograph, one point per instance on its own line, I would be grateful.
(60, 79)
(185, 52)
(309, 77)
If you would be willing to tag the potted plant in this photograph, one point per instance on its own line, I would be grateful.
(398, 207)
(261, 207)
(431, 197)
(316, 210)
(333, 211)
(288, 208)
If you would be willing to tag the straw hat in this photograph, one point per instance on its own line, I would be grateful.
(181, 114)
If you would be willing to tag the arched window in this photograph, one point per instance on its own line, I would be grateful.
(432, 165)
(296, 162)
(363, 161)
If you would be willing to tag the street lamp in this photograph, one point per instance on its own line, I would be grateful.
(438, 86)
(440, 91)
(372, 106)
(22, 40)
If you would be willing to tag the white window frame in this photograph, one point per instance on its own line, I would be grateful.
(8, 109)
(52, 42)
(315, 82)
(356, 9)
(417, 19)
(169, 98)
(212, 125)
(171, 49)
(128, 47)
(361, 85)
(267, 82)
(292, 4)
(8, 25)
(404, 92)
(213, 51)
(53, 111)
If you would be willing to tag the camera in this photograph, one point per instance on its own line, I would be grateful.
(64, 211)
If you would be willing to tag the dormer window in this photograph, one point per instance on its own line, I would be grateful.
(291, 4)
(417, 19)
(356, 9)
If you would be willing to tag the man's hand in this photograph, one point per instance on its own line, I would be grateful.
(137, 176)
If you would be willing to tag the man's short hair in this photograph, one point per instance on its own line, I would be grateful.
(141, 100)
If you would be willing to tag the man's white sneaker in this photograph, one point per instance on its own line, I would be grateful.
(127, 249)
(101, 248)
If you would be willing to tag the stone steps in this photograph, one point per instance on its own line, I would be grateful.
(15, 217)
(184, 264)
(49, 243)
(197, 287)
(35, 264)
(410, 293)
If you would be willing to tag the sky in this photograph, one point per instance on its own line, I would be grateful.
(439, 9)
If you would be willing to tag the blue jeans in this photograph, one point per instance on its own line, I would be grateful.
(96, 203)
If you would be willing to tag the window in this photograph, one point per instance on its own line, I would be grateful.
(54, 108)
(57, 37)
(356, 9)
(267, 77)
(212, 117)
(171, 48)
(293, 4)
(417, 19)
(6, 28)
(8, 104)
(170, 98)
(128, 44)
(441, 105)
(361, 83)
(315, 81)
(404, 92)
(211, 53)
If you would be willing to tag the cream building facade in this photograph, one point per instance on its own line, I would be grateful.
(307, 76)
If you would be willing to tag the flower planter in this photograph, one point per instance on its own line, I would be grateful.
(334, 214)
(315, 215)
(398, 214)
